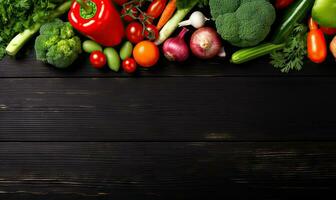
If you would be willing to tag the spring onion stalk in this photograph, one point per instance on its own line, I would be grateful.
(173, 23)
(21, 39)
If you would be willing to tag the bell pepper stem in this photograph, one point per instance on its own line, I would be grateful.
(85, 5)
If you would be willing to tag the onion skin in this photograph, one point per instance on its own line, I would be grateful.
(333, 47)
(205, 43)
(176, 49)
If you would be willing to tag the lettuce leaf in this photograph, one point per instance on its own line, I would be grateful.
(18, 15)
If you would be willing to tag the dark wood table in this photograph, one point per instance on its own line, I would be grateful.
(187, 131)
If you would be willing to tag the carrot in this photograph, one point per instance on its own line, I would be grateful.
(167, 14)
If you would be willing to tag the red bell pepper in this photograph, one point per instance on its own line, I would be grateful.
(98, 20)
(281, 4)
(316, 43)
(329, 31)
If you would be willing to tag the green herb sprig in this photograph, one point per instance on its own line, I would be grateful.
(292, 55)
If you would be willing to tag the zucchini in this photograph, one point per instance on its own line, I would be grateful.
(293, 15)
(248, 54)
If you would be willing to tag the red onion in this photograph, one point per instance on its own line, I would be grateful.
(176, 49)
(205, 43)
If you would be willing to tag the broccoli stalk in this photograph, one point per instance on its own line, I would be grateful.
(21, 39)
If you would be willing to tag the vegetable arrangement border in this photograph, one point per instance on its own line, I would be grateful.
(129, 34)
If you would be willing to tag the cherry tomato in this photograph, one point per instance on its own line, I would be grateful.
(151, 32)
(120, 2)
(281, 4)
(129, 65)
(134, 32)
(97, 59)
(129, 13)
(329, 31)
(146, 19)
(156, 8)
(139, 3)
(146, 53)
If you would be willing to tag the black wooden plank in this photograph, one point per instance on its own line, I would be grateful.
(167, 109)
(167, 170)
(29, 67)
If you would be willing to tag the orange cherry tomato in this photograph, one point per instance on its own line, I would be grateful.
(316, 43)
(146, 53)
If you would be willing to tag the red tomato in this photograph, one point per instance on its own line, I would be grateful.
(97, 59)
(156, 8)
(146, 53)
(146, 19)
(139, 3)
(151, 32)
(280, 4)
(134, 32)
(129, 65)
(120, 2)
(329, 31)
(129, 13)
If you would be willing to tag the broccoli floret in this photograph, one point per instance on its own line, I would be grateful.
(57, 44)
(62, 54)
(243, 23)
(51, 28)
(220, 7)
(232, 27)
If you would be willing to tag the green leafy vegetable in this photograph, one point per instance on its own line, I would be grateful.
(18, 15)
(292, 55)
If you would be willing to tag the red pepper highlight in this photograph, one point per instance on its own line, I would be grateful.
(98, 20)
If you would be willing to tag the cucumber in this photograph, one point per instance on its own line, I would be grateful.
(293, 15)
(248, 54)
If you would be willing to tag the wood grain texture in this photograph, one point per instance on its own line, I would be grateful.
(27, 66)
(176, 170)
(194, 130)
(168, 109)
